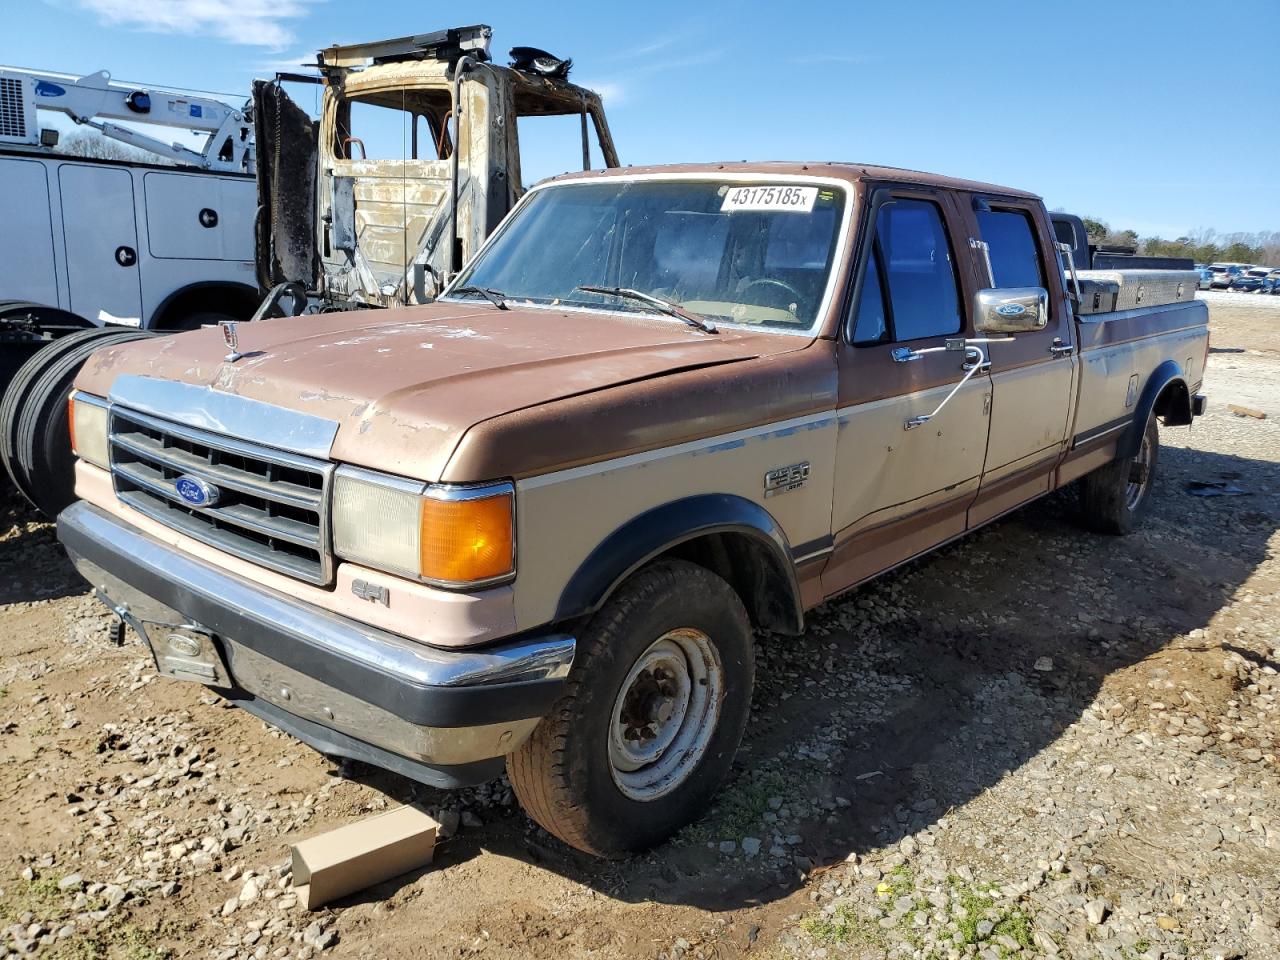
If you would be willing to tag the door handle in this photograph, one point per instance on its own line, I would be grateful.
(1059, 348)
(126, 256)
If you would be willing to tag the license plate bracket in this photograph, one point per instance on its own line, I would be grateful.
(187, 652)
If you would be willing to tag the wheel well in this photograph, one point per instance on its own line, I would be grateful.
(1173, 406)
(755, 573)
(234, 299)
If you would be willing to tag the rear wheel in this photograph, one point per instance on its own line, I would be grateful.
(651, 717)
(35, 442)
(1114, 498)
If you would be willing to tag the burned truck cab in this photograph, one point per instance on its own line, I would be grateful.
(415, 159)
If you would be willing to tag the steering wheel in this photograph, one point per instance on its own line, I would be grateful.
(770, 281)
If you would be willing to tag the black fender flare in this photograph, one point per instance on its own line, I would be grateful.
(663, 528)
(1176, 411)
(230, 287)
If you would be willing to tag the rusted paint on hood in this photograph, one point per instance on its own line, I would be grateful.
(405, 385)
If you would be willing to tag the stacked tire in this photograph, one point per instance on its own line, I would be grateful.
(35, 439)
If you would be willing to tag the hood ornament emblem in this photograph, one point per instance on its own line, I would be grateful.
(231, 339)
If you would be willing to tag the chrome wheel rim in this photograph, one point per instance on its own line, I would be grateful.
(1139, 475)
(665, 714)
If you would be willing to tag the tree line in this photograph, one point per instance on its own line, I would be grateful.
(1202, 246)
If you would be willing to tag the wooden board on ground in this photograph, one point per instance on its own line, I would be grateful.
(340, 862)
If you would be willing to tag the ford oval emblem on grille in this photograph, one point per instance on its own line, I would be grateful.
(195, 491)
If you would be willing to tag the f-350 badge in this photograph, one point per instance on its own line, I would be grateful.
(782, 479)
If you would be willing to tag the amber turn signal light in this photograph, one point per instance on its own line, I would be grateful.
(467, 539)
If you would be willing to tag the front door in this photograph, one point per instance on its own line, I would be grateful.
(900, 491)
(102, 243)
(1032, 376)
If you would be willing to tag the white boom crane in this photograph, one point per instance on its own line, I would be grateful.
(95, 101)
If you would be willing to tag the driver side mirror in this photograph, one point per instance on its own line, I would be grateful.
(1011, 310)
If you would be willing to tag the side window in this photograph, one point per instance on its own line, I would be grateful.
(909, 291)
(1015, 260)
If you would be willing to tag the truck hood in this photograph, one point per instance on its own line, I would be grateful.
(405, 385)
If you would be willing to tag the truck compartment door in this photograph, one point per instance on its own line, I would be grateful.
(103, 261)
(199, 216)
(26, 245)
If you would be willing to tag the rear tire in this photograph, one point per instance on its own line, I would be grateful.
(651, 716)
(1114, 498)
(35, 442)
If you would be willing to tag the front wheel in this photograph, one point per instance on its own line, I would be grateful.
(651, 716)
(1114, 498)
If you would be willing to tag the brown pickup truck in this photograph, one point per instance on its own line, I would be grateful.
(535, 522)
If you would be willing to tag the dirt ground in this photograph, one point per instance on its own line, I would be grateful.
(1036, 742)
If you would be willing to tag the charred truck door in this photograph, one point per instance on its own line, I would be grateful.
(415, 160)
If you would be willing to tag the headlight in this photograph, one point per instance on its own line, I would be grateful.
(449, 536)
(87, 421)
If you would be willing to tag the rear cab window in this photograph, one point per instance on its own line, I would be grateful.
(1015, 256)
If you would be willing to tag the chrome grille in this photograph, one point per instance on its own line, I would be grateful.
(272, 506)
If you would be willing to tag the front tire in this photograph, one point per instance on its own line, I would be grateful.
(651, 716)
(1114, 498)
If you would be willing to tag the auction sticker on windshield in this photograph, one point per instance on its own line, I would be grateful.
(760, 197)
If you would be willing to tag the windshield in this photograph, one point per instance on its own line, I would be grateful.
(757, 254)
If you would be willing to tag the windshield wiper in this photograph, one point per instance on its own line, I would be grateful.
(496, 297)
(669, 307)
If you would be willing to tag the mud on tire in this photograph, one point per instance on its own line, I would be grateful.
(582, 775)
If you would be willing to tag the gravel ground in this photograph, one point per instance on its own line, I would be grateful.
(1034, 743)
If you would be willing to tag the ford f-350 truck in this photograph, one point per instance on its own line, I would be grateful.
(536, 522)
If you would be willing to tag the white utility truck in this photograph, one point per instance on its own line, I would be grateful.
(164, 245)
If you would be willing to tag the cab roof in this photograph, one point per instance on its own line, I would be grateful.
(842, 170)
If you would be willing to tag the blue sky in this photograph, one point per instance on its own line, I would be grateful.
(1159, 116)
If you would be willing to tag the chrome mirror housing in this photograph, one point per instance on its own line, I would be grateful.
(1011, 310)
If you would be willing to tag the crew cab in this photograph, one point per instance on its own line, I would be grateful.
(538, 521)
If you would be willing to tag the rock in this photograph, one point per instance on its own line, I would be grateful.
(1043, 664)
(251, 890)
(728, 846)
(72, 881)
(1096, 911)
(318, 938)
(1045, 943)
(230, 906)
(449, 821)
(750, 846)
(469, 819)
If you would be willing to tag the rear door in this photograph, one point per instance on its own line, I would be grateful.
(1032, 377)
(900, 491)
(102, 242)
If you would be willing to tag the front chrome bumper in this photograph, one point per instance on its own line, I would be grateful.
(442, 717)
